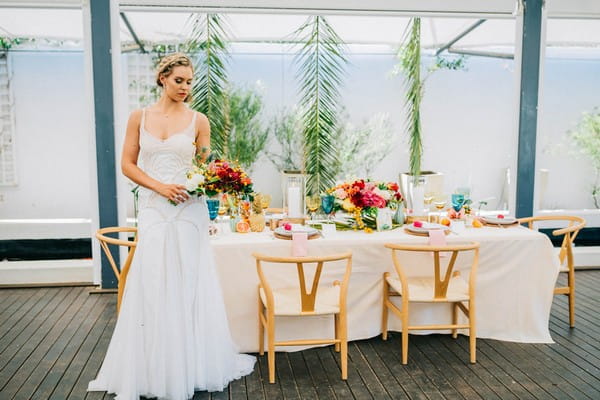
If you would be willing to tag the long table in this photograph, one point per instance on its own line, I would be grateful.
(518, 268)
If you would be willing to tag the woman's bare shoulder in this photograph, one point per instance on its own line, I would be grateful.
(202, 124)
(201, 118)
(136, 115)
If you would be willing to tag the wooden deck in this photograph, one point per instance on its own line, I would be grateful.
(52, 341)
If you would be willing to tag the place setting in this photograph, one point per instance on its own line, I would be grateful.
(499, 221)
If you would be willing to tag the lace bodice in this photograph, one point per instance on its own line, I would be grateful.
(165, 160)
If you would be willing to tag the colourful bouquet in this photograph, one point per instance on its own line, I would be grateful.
(362, 198)
(218, 176)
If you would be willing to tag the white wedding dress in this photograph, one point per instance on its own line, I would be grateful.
(172, 336)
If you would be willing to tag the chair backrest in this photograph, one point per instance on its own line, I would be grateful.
(574, 225)
(307, 298)
(440, 282)
(105, 241)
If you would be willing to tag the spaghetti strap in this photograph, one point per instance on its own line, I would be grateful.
(193, 124)
(142, 123)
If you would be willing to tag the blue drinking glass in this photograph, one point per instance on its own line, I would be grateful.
(458, 200)
(327, 202)
(213, 208)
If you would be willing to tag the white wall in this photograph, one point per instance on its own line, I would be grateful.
(51, 138)
(467, 123)
(570, 87)
(467, 116)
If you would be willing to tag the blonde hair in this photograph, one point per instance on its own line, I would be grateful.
(170, 61)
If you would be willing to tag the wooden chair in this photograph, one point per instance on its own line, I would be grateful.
(565, 255)
(443, 287)
(296, 301)
(105, 241)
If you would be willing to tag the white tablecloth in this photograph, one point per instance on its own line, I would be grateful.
(517, 272)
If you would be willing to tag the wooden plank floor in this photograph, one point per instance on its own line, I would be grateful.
(52, 341)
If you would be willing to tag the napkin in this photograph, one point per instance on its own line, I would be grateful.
(299, 244)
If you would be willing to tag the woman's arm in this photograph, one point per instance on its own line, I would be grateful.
(129, 167)
(202, 137)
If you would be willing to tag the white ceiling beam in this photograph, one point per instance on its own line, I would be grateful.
(41, 4)
(489, 8)
(581, 9)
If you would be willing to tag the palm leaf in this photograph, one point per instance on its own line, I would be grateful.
(321, 63)
(208, 39)
(410, 64)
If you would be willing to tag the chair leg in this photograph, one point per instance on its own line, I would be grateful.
(343, 332)
(472, 333)
(336, 330)
(454, 319)
(261, 329)
(571, 282)
(120, 290)
(404, 336)
(271, 348)
(384, 312)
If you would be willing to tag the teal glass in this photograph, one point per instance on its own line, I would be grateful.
(458, 201)
(213, 208)
(327, 202)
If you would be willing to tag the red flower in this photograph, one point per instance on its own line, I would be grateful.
(360, 184)
(370, 199)
(357, 199)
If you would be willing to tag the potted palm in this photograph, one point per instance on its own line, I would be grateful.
(415, 183)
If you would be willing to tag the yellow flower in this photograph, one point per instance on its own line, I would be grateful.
(347, 205)
(368, 230)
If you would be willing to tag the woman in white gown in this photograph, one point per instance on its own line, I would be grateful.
(172, 336)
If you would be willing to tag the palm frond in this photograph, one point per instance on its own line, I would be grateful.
(410, 64)
(321, 64)
(208, 39)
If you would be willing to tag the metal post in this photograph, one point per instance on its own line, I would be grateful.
(102, 72)
(528, 105)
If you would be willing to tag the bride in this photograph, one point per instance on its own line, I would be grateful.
(172, 335)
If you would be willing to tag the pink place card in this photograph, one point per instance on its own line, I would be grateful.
(299, 244)
(437, 237)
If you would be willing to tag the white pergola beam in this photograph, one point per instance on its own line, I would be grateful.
(490, 8)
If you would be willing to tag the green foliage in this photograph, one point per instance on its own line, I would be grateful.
(362, 148)
(321, 63)
(587, 137)
(247, 137)
(209, 42)
(286, 129)
(7, 42)
(453, 64)
(409, 64)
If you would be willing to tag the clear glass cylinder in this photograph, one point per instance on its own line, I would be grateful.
(293, 186)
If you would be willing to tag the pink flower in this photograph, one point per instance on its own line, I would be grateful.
(371, 199)
(456, 215)
(340, 193)
(385, 194)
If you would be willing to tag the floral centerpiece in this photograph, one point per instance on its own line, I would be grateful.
(218, 176)
(363, 198)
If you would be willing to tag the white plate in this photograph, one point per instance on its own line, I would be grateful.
(309, 231)
(427, 226)
(499, 221)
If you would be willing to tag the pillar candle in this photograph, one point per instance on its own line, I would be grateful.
(294, 200)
